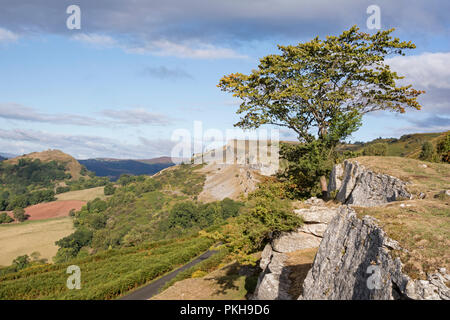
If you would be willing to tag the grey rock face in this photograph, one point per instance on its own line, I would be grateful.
(296, 240)
(273, 282)
(316, 214)
(362, 187)
(353, 262)
(336, 176)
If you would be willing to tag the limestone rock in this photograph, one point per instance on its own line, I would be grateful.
(315, 201)
(296, 240)
(317, 214)
(336, 177)
(353, 263)
(362, 187)
(316, 229)
(266, 255)
(273, 282)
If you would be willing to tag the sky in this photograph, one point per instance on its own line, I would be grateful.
(136, 70)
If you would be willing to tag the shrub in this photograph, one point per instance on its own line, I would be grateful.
(109, 189)
(5, 218)
(428, 152)
(20, 215)
(260, 219)
(375, 149)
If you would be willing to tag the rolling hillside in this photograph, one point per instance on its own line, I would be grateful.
(409, 145)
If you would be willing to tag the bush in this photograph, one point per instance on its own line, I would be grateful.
(21, 262)
(20, 215)
(428, 152)
(443, 149)
(261, 218)
(375, 149)
(5, 218)
(109, 189)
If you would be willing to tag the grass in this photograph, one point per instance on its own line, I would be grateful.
(226, 283)
(422, 227)
(106, 275)
(40, 235)
(83, 195)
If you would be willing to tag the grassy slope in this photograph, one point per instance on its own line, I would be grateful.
(83, 195)
(409, 145)
(24, 238)
(106, 275)
(421, 226)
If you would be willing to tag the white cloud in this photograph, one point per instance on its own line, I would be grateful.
(20, 141)
(195, 50)
(8, 36)
(427, 70)
(96, 39)
(108, 117)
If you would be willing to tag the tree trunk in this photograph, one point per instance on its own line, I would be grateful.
(323, 185)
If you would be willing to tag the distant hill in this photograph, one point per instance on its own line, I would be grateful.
(114, 168)
(7, 155)
(72, 166)
(408, 145)
(2, 158)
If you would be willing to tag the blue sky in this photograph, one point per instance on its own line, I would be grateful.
(138, 70)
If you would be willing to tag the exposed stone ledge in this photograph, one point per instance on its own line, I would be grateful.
(359, 186)
(350, 251)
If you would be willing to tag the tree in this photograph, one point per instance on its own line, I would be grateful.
(109, 189)
(428, 152)
(320, 89)
(20, 215)
(443, 148)
(5, 218)
(21, 262)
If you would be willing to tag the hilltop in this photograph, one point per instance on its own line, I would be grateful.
(73, 167)
(409, 145)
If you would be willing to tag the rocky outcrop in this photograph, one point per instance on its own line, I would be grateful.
(354, 262)
(273, 282)
(359, 186)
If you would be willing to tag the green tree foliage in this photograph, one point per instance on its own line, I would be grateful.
(320, 89)
(264, 216)
(20, 215)
(21, 262)
(5, 218)
(109, 189)
(375, 149)
(428, 152)
(443, 148)
(71, 245)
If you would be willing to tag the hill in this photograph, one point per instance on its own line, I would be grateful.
(2, 158)
(36, 177)
(409, 145)
(72, 166)
(114, 168)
